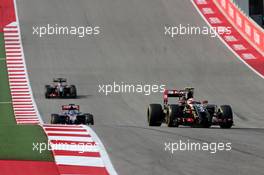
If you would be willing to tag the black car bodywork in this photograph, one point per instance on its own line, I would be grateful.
(71, 115)
(60, 89)
(189, 112)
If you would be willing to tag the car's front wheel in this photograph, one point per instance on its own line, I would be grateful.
(55, 119)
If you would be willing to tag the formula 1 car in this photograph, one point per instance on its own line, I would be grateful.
(189, 112)
(71, 115)
(60, 89)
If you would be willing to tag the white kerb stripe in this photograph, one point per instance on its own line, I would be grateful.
(11, 54)
(11, 34)
(12, 37)
(79, 161)
(10, 29)
(62, 127)
(66, 138)
(12, 45)
(12, 42)
(75, 147)
(10, 50)
(23, 109)
(66, 132)
(27, 119)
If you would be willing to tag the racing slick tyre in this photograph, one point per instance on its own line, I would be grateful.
(227, 116)
(155, 114)
(89, 119)
(205, 120)
(47, 91)
(73, 91)
(55, 119)
(211, 109)
(174, 114)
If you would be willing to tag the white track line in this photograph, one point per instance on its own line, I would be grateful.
(104, 155)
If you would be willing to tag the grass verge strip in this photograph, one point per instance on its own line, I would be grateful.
(17, 142)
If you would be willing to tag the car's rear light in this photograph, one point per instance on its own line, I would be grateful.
(190, 120)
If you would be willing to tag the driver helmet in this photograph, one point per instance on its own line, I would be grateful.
(182, 100)
(71, 112)
(190, 101)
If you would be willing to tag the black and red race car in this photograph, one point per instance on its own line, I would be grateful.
(188, 112)
(71, 115)
(60, 89)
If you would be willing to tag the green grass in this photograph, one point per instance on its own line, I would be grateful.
(16, 141)
(5, 108)
(2, 46)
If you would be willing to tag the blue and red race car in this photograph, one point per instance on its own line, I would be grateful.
(71, 115)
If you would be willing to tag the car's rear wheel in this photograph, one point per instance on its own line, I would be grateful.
(155, 114)
(73, 91)
(205, 120)
(55, 119)
(227, 116)
(173, 115)
(211, 109)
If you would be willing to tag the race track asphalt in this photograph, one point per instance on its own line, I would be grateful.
(132, 48)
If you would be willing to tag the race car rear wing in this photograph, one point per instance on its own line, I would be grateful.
(70, 107)
(176, 93)
(59, 80)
